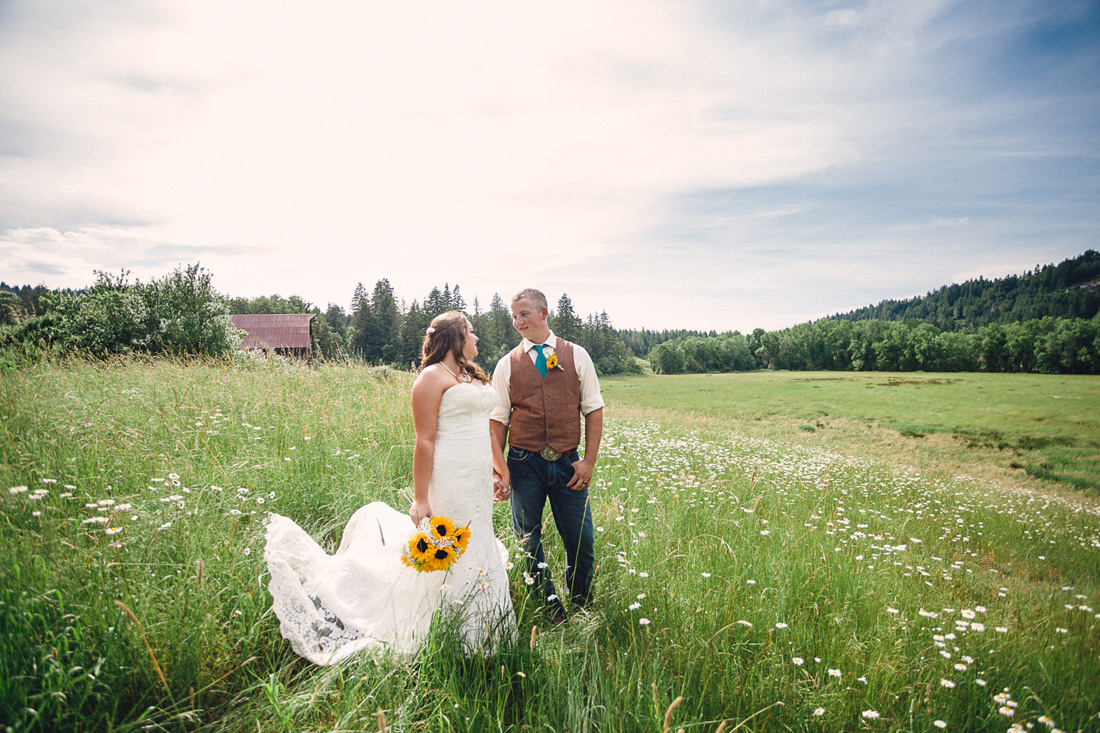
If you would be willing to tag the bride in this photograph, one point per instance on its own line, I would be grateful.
(364, 597)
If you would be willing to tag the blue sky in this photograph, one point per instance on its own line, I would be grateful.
(709, 165)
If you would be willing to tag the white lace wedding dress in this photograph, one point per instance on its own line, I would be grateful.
(332, 606)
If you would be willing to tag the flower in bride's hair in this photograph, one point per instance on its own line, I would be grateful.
(429, 330)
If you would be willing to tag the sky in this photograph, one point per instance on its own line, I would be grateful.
(710, 165)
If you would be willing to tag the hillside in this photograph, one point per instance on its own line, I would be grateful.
(1065, 290)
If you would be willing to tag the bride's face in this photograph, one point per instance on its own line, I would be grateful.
(469, 349)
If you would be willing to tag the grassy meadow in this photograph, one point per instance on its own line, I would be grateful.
(1005, 426)
(776, 552)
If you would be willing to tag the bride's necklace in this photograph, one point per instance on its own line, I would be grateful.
(464, 378)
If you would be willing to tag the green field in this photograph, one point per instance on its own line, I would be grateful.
(776, 552)
(1004, 426)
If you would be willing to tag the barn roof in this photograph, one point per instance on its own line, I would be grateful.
(275, 330)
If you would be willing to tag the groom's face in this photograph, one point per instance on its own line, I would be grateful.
(530, 320)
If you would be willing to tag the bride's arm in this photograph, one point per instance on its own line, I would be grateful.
(426, 394)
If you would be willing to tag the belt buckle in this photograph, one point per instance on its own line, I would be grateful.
(549, 454)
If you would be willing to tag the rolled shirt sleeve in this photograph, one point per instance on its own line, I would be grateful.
(502, 411)
(591, 399)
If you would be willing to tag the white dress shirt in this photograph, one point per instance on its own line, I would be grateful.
(591, 399)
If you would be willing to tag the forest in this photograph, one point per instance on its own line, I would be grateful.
(1046, 320)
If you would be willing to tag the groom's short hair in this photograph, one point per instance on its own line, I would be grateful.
(535, 296)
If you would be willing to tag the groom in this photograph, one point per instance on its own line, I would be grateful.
(544, 387)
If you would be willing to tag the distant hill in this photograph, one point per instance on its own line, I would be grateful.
(1066, 290)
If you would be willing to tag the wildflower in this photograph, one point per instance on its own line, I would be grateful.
(979, 609)
(36, 514)
(967, 613)
(1006, 711)
(509, 565)
(750, 582)
(819, 712)
(552, 597)
(834, 673)
(870, 714)
(643, 575)
(979, 682)
(781, 625)
(706, 575)
(939, 723)
(960, 666)
(542, 566)
(1002, 629)
(892, 610)
(634, 606)
(113, 530)
(528, 579)
(977, 627)
(95, 520)
(17, 489)
(798, 661)
(247, 551)
(947, 683)
(765, 532)
(643, 622)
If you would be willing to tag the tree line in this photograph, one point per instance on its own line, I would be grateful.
(381, 329)
(964, 328)
(1048, 345)
(1066, 290)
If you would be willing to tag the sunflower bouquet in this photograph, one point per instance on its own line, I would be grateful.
(435, 544)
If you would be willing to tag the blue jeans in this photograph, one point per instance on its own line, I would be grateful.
(534, 480)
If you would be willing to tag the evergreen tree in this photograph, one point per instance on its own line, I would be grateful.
(566, 323)
(457, 302)
(413, 330)
(382, 329)
(437, 303)
(358, 297)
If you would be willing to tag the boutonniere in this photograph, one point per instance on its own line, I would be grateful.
(552, 362)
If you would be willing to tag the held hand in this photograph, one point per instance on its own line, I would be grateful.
(419, 510)
(501, 486)
(582, 475)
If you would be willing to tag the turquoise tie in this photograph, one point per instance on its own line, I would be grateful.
(540, 360)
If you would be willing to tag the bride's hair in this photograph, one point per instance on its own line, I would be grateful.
(447, 335)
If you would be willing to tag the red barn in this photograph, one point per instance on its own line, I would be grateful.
(283, 333)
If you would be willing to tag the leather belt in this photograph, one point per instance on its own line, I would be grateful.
(552, 455)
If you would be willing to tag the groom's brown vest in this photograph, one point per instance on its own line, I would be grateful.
(545, 412)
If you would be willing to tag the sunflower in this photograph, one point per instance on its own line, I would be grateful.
(443, 557)
(461, 538)
(420, 549)
(552, 361)
(442, 528)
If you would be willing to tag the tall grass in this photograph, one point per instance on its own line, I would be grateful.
(783, 587)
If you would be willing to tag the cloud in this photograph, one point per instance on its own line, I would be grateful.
(641, 158)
